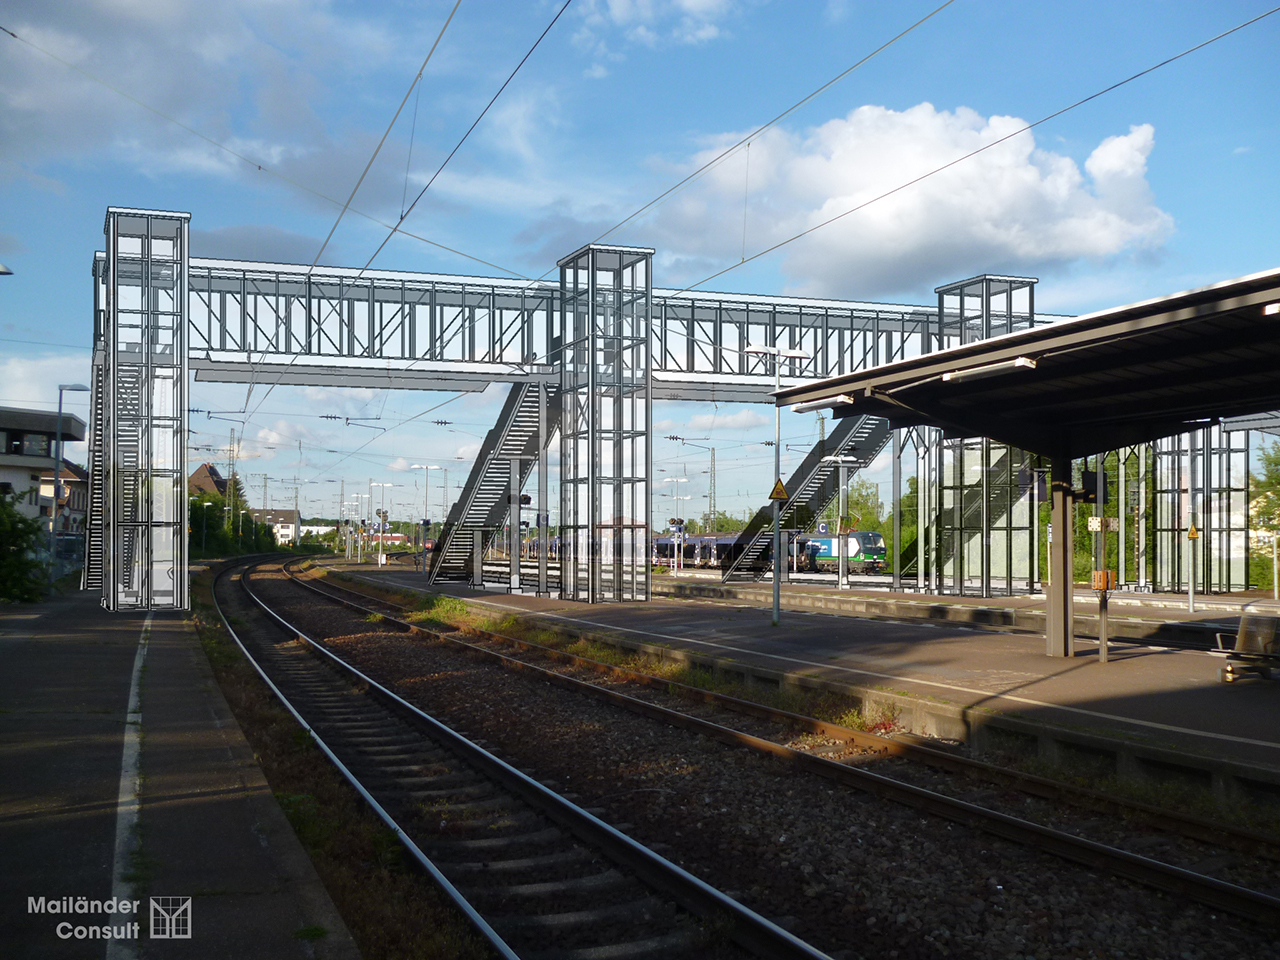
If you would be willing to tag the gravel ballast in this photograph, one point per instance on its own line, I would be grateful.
(856, 876)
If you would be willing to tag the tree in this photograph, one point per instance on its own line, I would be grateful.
(1266, 489)
(1264, 511)
(21, 574)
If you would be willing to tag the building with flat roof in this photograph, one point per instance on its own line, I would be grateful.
(27, 454)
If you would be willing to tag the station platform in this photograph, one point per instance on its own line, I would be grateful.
(71, 787)
(1152, 707)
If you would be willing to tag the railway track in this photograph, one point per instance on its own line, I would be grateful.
(1215, 892)
(536, 875)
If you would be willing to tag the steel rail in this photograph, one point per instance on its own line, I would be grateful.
(1220, 894)
(906, 746)
(473, 916)
(745, 927)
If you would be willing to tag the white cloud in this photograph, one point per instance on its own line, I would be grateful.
(256, 76)
(399, 465)
(468, 451)
(1014, 208)
(650, 23)
(744, 419)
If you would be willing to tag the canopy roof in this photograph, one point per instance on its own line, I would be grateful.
(1101, 381)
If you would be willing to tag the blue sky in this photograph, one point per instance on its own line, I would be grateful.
(1167, 183)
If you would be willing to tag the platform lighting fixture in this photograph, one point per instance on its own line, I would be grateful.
(5, 271)
(57, 467)
(989, 370)
(1271, 309)
(777, 353)
(840, 399)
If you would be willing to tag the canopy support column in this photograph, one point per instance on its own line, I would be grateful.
(1059, 620)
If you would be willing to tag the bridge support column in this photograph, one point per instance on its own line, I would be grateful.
(842, 536)
(543, 519)
(1060, 618)
(513, 527)
(897, 511)
(606, 457)
(142, 413)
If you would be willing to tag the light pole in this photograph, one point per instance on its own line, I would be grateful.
(204, 525)
(382, 519)
(711, 488)
(360, 514)
(675, 511)
(777, 353)
(426, 504)
(57, 471)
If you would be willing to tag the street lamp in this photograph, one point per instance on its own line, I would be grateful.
(204, 526)
(426, 503)
(382, 519)
(711, 495)
(777, 353)
(675, 509)
(57, 469)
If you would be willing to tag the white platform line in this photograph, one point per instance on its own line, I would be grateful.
(127, 802)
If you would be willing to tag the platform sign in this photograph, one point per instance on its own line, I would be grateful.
(779, 491)
(1193, 534)
(824, 528)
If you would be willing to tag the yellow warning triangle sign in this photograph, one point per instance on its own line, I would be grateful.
(779, 491)
(1192, 534)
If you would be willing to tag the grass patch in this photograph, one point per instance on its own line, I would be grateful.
(394, 912)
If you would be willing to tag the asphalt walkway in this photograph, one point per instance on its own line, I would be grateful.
(79, 764)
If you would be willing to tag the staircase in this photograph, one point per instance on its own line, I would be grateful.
(128, 522)
(812, 487)
(91, 578)
(483, 504)
(971, 507)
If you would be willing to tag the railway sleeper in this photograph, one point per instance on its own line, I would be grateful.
(546, 861)
(685, 942)
(633, 911)
(593, 885)
(509, 843)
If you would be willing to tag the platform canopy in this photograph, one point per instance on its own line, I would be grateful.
(1098, 382)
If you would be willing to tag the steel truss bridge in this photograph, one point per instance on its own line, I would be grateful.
(585, 356)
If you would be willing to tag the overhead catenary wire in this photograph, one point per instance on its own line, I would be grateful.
(378, 149)
(354, 190)
(983, 149)
(729, 151)
(405, 213)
